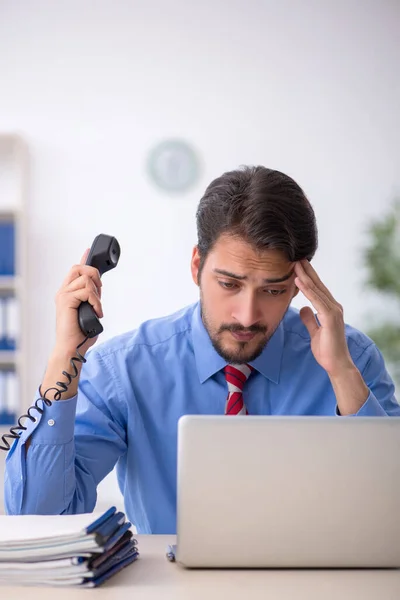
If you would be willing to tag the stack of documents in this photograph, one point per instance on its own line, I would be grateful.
(68, 550)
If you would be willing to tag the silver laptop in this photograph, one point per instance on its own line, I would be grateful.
(288, 491)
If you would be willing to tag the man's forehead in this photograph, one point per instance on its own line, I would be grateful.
(238, 255)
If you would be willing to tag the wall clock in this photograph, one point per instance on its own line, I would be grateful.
(173, 165)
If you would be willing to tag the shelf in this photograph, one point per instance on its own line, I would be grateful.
(8, 358)
(8, 214)
(8, 283)
(13, 283)
(4, 429)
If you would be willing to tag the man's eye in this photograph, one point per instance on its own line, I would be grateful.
(275, 292)
(227, 285)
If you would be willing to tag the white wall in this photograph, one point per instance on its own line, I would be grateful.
(310, 88)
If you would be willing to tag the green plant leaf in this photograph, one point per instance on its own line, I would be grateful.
(387, 338)
(382, 255)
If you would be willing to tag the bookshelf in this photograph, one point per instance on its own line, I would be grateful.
(13, 273)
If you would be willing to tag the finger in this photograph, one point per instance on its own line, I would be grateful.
(315, 296)
(312, 286)
(84, 256)
(312, 273)
(79, 270)
(309, 320)
(84, 296)
(83, 281)
(95, 302)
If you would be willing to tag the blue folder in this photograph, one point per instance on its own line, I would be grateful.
(7, 248)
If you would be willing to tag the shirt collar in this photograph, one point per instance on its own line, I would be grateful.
(209, 362)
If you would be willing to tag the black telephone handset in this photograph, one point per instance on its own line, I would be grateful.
(103, 255)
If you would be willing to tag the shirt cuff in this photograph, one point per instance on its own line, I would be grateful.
(370, 408)
(55, 426)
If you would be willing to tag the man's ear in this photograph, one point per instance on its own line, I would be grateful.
(195, 265)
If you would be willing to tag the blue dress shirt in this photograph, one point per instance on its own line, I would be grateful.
(132, 391)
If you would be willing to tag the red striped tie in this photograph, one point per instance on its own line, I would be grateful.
(236, 376)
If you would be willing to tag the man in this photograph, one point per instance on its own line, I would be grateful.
(256, 237)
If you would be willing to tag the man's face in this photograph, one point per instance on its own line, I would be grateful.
(244, 296)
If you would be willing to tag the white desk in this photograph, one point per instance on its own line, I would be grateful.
(153, 577)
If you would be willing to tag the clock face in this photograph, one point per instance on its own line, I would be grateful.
(173, 166)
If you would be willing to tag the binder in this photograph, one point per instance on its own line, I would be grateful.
(8, 322)
(11, 322)
(8, 396)
(7, 248)
(3, 323)
(11, 390)
(65, 550)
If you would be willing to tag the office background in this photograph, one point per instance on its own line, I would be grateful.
(309, 88)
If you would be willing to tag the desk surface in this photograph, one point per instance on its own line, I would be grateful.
(153, 577)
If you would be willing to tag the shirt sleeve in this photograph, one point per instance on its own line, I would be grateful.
(74, 444)
(381, 401)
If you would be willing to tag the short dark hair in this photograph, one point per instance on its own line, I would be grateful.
(264, 207)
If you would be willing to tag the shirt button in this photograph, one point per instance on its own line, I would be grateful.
(51, 422)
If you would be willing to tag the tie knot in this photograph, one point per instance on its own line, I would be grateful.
(236, 376)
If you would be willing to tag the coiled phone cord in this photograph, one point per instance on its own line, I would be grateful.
(16, 431)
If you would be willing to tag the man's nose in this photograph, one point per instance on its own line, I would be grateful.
(247, 312)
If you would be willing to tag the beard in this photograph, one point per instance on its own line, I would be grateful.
(241, 352)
